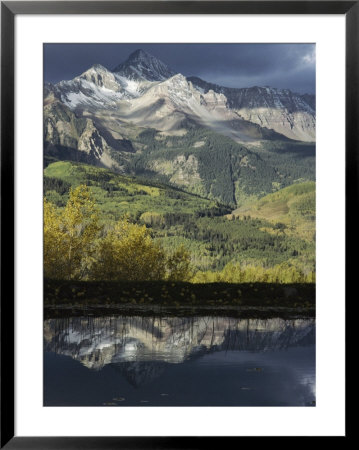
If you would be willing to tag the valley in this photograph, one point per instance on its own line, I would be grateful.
(227, 173)
(179, 225)
(213, 234)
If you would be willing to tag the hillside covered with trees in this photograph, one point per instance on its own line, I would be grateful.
(100, 225)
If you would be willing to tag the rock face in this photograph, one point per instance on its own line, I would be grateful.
(101, 77)
(96, 117)
(167, 104)
(92, 143)
(144, 91)
(68, 136)
(141, 65)
(287, 113)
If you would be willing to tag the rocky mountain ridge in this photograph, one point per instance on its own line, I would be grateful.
(144, 90)
(98, 116)
(288, 113)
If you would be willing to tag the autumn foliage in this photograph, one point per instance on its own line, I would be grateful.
(77, 247)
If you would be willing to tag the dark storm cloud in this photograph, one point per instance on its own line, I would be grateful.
(289, 66)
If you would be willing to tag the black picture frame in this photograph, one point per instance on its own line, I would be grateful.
(9, 9)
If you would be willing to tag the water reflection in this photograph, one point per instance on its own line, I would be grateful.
(179, 361)
(97, 342)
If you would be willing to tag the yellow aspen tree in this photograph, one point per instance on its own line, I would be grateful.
(80, 222)
(129, 253)
(70, 236)
(53, 242)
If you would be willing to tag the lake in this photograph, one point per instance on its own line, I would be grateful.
(179, 361)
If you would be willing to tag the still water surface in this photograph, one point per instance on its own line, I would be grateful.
(179, 361)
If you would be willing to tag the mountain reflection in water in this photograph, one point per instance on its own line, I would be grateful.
(141, 356)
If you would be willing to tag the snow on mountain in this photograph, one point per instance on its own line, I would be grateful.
(147, 93)
(165, 106)
(101, 77)
(132, 88)
(97, 87)
(140, 65)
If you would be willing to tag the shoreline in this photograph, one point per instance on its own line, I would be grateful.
(63, 311)
(64, 298)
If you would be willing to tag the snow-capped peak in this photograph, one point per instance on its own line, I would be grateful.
(101, 77)
(97, 68)
(140, 65)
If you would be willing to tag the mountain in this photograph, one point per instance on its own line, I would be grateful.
(290, 114)
(170, 103)
(164, 105)
(147, 92)
(140, 65)
(144, 119)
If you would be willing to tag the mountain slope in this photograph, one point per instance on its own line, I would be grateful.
(199, 160)
(145, 91)
(68, 136)
(292, 209)
(114, 193)
(222, 143)
(287, 113)
(215, 166)
(164, 105)
(178, 218)
(168, 104)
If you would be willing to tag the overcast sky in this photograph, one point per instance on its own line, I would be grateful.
(289, 66)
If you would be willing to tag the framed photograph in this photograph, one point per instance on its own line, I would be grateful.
(174, 183)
